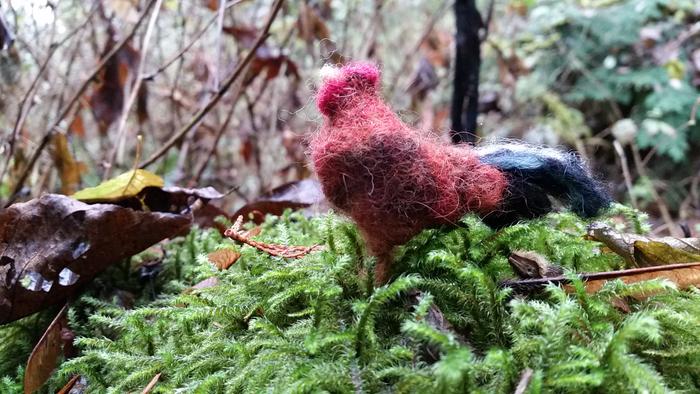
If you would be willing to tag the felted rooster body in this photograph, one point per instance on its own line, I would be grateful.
(394, 181)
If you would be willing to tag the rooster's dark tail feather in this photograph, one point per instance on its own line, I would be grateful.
(536, 174)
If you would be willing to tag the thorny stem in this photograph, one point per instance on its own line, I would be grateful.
(219, 93)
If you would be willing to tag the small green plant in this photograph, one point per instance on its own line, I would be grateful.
(318, 323)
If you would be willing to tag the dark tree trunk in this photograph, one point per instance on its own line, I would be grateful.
(465, 97)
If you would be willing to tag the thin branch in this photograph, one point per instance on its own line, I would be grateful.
(121, 129)
(286, 251)
(487, 22)
(663, 209)
(76, 96)
(222, 90)
(217, 44)
(212, 150)
(426, 33)
(189, 44)
(31, 92)
(525, 286)
(625, 171)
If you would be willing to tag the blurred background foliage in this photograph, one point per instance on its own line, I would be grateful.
(618, 81)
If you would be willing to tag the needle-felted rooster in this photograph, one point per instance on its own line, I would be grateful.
(394, 181)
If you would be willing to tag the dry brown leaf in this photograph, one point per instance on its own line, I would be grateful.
(223, 258)
(69, 170)
(45, 355)
(310, 26)
(305, 193)
(142, 104)
(423, 81)
(437, 48)
(531, 265)
(211, 4)
(51, 246)
(268, 60)
(206, 283)
(683, 275)
(77, 127)
(641, 251)
(107, 99)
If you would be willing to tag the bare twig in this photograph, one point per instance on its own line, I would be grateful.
(487, 22)
(217, 44)
(76, 96)
(189, 44)
(625, 171)
(133, 93)
(663, 209)
(222, 90)
(526, 286)
(290, 252)
(149, 387)
(212, 150)
(410, 55)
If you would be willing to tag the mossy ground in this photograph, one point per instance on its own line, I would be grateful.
(317, 324)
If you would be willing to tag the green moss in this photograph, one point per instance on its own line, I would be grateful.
(317, 323)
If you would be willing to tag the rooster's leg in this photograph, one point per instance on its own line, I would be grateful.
(382, 269)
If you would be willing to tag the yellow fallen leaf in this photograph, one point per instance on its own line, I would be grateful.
(643, 251)
(662, 253)
(69, 170)
(128, 184)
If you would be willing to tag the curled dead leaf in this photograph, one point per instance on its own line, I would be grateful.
(144, 190)
(52, 245)
(107, 99)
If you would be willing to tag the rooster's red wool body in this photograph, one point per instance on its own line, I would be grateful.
(394, 181)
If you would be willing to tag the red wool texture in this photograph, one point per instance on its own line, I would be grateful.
(392, 180)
